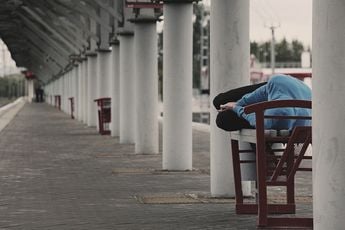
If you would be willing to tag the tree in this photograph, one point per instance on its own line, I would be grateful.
(285, 51)
(198, 10)
(255, 49)
(297, 49)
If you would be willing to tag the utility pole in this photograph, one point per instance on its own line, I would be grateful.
(273, 55)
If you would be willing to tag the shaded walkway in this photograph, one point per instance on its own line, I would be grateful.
(55, 173)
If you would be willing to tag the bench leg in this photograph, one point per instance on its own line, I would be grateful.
(261, 161)
(237, 174)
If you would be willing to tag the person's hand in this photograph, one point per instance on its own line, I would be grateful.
(227, 106)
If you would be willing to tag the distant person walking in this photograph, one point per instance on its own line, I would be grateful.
(39, 94)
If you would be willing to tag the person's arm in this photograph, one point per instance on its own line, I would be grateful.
(259, 95)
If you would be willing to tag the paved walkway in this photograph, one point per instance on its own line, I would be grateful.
(55, 173)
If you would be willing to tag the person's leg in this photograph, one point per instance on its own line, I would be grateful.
(229, 121)
(234, 94)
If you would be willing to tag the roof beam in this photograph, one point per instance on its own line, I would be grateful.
(32, 26)
(63, 61)
(50, 29)
(70, 34)
(74, 21)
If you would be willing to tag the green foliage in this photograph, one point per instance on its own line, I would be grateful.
(297, 49)
(198, 10)
(11, 87)
(285, 51)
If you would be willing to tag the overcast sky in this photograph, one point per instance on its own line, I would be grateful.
(293, 16)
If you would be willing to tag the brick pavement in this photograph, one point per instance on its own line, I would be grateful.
(56, 173)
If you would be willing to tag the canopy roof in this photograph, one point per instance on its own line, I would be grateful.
(48, 37)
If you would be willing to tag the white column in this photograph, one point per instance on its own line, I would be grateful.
(61, 91)
(84, 91)
(103, 73)
(91, 88)
(75, 92)
(53, 84)
(68, 92)
(127, 93)
(146, 79)
(64, 91)
(67, 76)
(81, 88)
(229, 69)
(177, 86)
(328, 114)
(79, 76)
(58, 88)
(31, 90)
(67, 104)
(115, 89)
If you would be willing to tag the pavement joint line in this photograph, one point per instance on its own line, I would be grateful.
(114, 155)
(181, 198)
(128, 170)
(193, 198)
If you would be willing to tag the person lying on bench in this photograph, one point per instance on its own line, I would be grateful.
(231, 104)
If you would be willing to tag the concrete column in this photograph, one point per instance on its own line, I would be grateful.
(66, 95)
(84, 90)
(63, 94)
(127, 92)
(68, 92)
(81, 88)
(115, 89)
(79, 76)
(31, 90)
(229, 69)
(59, 86)
(146, 87)
(91, 88)
(328, 114)
(51, 97)
(177, 86)
(75, 92)
(67, 104)
(61, 79)
(103, 73)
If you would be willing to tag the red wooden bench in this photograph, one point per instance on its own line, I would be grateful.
(104, 114)
(71, 99)
(272, 169)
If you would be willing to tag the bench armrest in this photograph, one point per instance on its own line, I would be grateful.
(262, 106)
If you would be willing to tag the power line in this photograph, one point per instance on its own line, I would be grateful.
(265, 11)
(258, 9)
(274, 12)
